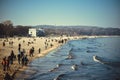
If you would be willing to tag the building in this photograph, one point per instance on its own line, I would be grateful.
(36, 32)
(32, 32)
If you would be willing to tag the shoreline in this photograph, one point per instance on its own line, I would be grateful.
(42, 54)
(45, 52)
(18, 69)
(39, 42)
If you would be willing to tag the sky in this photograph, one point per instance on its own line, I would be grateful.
(102, 13)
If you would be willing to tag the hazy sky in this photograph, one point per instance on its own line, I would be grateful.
(103, 13)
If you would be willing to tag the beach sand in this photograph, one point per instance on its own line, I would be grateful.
(34, 42)
(38, 42)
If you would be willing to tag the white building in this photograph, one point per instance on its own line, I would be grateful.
(34, 32)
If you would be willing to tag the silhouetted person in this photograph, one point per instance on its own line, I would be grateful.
(3, 44)
(8, 64)
(4, 63)
(32, 51)
(51, 45)
(19, 46)
(11, 57)
(7, 77)
(39, 50)
(19, 58)
(25, 60)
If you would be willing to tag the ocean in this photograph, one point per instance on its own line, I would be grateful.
(82, 59)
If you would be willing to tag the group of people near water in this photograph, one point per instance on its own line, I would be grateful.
(8, 61)
(22, 58)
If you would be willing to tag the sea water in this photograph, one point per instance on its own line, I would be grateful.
(57, 66)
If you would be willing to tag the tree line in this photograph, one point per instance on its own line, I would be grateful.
(8, 30)
(11, 31)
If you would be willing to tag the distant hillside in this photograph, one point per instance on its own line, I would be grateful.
(78, 30)
(8, 30)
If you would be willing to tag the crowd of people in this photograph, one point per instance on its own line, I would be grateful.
(23, 57)
(8, 61)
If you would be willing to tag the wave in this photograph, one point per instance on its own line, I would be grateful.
(97, 59)
(106, 61)
(74, 67)
(59, 76)
(70, 55)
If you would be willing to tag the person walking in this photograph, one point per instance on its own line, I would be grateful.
(19, 58)
(26, 60)
(23, 61)
(7, 77)
(11, 57)
(19, 46)
(39, 50)
(3, 44)
(4, 63)
(8, 64)
(32, 51)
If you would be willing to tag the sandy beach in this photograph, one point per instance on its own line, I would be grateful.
(37, 43)
(34, 42)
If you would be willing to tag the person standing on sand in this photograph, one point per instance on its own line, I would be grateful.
(32, 51)
(8, 64)
(39, 50)
(11, 57)
(19, 58)
(3, 44)
(23, 61)
(19, 46)
(4, 64)
(51, 45)
(7, 77)
(22, 52)
(26, 60)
